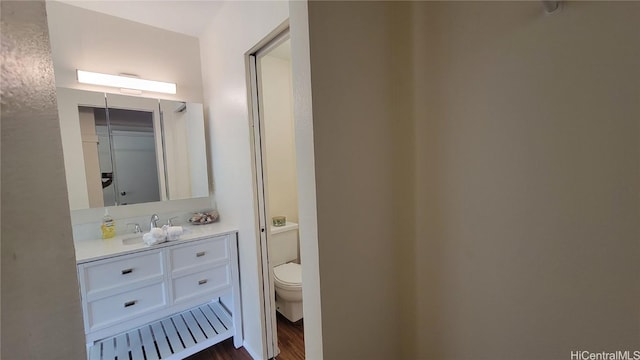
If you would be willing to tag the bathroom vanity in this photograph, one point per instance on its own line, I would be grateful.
(166, 301)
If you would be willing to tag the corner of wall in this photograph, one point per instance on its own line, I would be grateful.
(41, 312)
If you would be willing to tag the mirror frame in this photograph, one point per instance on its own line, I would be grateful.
(69, 100)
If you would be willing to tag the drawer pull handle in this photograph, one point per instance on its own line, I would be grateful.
(201, 253)
(202, 282)
(130, 303)
(127, 271)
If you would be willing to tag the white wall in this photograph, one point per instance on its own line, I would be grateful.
(87, 40)
(236, 28)
(528, 165)
(279, 137)
(491, 152)
(358, 179)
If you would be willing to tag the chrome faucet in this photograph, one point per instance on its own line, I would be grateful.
(154, 221)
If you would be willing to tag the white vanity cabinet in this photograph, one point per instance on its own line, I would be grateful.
(162, 301)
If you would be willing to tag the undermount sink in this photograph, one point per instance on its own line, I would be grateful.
(133, 239)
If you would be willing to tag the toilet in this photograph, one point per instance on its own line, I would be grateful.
(287, 274)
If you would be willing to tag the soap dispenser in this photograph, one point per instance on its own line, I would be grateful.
(108, 225)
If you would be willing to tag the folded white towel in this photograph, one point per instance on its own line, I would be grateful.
(173, 232)
(155, 236)
(149, 239)
(158, 233)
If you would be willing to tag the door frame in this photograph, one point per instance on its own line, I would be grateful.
(260, 181)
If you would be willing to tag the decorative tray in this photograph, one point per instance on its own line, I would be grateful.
(203, 218)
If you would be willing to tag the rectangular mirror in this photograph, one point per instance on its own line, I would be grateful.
(122, 150)
(120, 144)
(185, 157)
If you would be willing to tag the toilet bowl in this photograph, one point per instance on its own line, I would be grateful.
(287, 274)
(288, 285)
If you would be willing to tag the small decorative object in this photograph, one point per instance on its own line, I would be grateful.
(201, 218)
(279, 220)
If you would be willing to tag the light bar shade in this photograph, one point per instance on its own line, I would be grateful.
(124, 82)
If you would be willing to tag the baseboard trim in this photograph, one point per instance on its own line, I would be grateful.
(250, 351)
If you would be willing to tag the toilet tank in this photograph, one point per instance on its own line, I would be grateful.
(283, 244)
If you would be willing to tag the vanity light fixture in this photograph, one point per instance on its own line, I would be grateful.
(125, 82)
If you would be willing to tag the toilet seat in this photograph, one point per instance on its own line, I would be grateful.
(288, 276)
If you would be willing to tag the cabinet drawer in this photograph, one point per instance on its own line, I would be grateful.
(122, 271)
(126, 305)
(202, 252)
(200, 283)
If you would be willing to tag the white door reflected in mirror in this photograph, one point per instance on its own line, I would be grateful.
(125, 157)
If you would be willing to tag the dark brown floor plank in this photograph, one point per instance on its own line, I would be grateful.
(290, 339)
(290, 342)
(222, 351)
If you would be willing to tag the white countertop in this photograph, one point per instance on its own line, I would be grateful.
(92, 250)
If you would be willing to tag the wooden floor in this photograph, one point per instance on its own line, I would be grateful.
(290, 342)
(290, 339)
(222, 351)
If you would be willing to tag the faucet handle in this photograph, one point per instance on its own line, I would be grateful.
(170, 220)
(137, 228)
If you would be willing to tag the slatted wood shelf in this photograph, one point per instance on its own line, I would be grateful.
(174, 337)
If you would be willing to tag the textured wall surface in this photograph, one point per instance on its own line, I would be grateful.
(41, 315)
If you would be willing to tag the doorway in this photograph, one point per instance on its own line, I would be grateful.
(277, 196)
